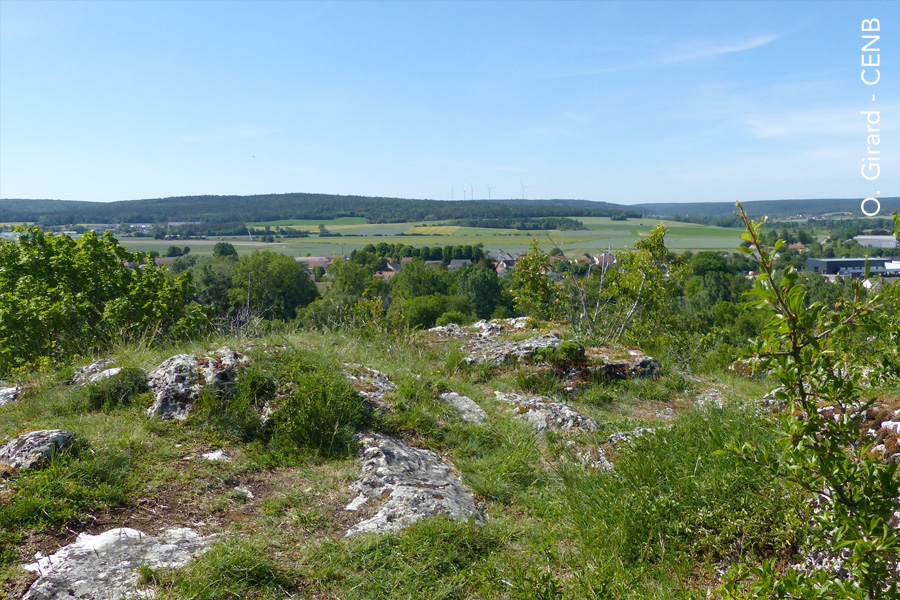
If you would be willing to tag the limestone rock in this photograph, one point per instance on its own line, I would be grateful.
(627, 436)
(595, 458)
(31, 449)
(637, 364)
(451, 330)
(216, 456)
(96, 371)
(106, 565)
(544, 413)
(468, 409)
(498, 352)
(175, 385)
(9, 394)
(711, 397)
(177, 382)
(372, 385)
(419, 483)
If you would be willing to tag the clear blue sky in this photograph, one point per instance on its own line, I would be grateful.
(623, 102)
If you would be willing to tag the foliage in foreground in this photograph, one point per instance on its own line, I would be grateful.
(822, 450)
(60, 296)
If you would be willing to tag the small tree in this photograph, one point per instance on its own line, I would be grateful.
(224, 249)
(535, 291)
(823, 451)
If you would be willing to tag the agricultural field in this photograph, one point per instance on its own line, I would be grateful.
(601, 234)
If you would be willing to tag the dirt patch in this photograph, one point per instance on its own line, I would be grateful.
(293, 503)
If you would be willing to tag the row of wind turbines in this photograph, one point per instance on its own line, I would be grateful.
(490, 189)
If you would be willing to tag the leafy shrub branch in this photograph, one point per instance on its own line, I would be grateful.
(854, 492)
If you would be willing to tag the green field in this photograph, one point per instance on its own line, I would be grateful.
(601, 234)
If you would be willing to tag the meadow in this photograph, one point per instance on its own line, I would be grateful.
(601, 234)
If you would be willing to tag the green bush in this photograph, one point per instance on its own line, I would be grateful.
(60, 296)
(318, 418)
(423, 311)
(454, 316)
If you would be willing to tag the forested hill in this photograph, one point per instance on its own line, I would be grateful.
(273, 207)
(771, 208)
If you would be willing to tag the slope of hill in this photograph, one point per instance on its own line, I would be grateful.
(272, 207)
(771, 208)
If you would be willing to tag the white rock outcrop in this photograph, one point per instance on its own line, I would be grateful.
(544, 413)
(9, 394)
(419, 483)
(94, 372)
(372, 385)
(177, 382)
(105, 566)
(31, 449)
(469, 411)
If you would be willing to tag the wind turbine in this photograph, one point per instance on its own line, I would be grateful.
(490, 187)
(471, 192)
(451, 193)
(524, 187)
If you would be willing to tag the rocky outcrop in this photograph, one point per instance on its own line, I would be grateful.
(627, 436)
(94, 372)
(31, 450)
(372, 385)
(106, 565)
(636, 364)
(494, 351)
(177, 382)
(595, 458)
(9, 394)
(419, 485)
(711, 397)
(543, 413)
(469, 411)
(450, 330)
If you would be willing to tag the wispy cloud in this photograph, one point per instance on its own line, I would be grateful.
(712, 51)
(680, 53)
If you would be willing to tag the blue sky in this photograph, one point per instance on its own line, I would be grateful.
(622, 102)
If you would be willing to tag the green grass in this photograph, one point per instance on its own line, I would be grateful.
(654, 528)
(601, 234)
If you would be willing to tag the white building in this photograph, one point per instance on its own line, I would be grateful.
(876, 241)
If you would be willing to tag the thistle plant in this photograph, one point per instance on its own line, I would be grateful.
(852, 490)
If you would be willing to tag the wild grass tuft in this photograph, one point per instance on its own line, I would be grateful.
(669, 498)
(232, 569)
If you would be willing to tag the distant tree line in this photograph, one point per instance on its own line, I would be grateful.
(227, 211)
(431, 253)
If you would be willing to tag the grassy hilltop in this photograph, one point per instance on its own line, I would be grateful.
(591, 436)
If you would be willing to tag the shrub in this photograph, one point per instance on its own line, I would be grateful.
(454, 316)
(423, 311)
(823, 454)
(60, 296)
